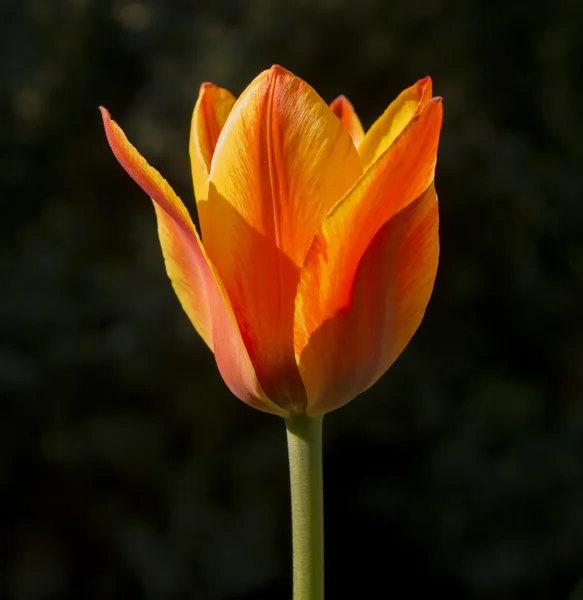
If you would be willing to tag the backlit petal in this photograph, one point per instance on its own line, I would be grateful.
(389, 125)
(343, 109)
(208, 118)
(381, 239)
(193, 276)
(282, 160)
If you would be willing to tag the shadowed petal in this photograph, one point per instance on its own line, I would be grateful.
(391, 123)
(282, 160)
(394, 195)
(343, 109)
(193, 276)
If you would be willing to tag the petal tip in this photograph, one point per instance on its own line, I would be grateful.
(436, 103)
(110, 127)
(339, 103)
(104, 113)
(425, 87)
(115, 136)
(433, 110)
(207, 85)
(278, 70)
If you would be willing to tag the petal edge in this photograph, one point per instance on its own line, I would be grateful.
(188, 261)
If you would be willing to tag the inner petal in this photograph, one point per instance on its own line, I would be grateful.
(281, 161)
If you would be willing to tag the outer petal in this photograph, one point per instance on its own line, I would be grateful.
(282, 160)
(343, 109)
(369, 272)
(193, 276)
(389, 125)
(208, 118)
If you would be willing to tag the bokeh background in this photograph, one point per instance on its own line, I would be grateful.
(127, 470)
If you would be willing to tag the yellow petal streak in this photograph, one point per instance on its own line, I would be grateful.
(391, 123)
(193, 275)
(282, 161)
(370, 270)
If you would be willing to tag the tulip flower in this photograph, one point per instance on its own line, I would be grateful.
(319, 243)
(317, 255)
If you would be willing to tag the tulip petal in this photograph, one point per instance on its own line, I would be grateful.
(370, 270)
(391, 123)
(193, 275)
(282, 160)
(388, 297)
(208, 118)
(343, 109)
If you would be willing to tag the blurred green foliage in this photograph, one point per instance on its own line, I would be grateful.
(128, 471)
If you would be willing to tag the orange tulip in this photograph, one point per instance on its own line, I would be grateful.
(319, 242)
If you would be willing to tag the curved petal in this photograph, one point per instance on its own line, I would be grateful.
(343, 109)
(391, 123)
(193, 276)
(329, 280)
(389, 293)
(282, 160)
(208, 118)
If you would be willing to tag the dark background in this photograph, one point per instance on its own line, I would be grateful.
(127, 470)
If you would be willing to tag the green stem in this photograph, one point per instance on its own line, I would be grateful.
(304, 442)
